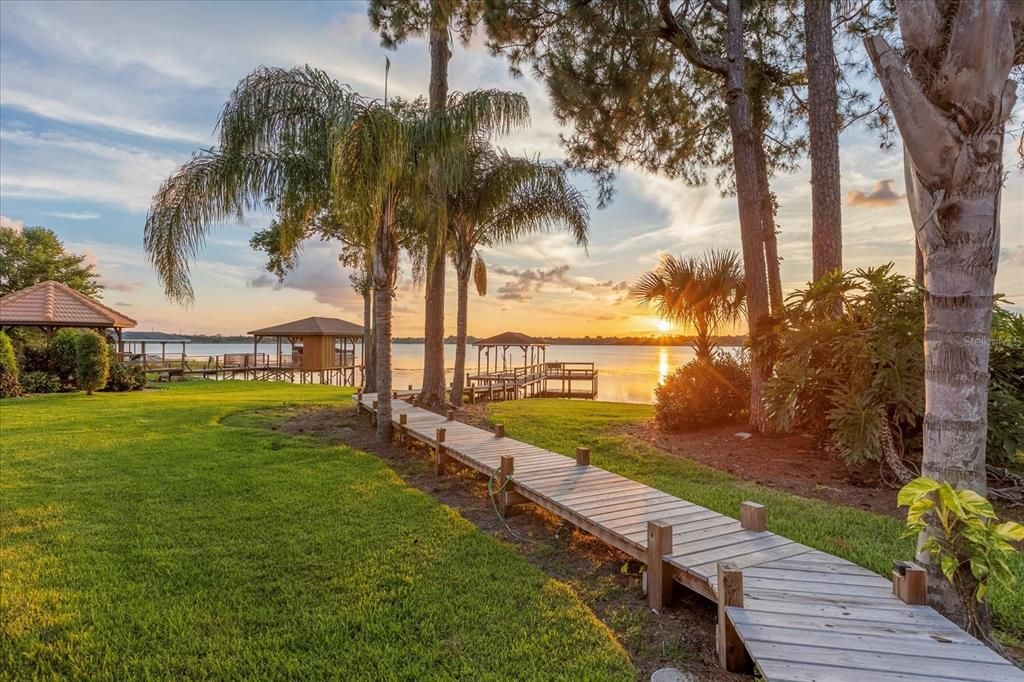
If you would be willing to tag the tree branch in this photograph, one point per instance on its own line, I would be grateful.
(680, 37)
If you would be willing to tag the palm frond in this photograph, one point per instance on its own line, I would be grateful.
(480, 275)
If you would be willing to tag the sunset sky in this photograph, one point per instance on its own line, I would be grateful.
(100, 102)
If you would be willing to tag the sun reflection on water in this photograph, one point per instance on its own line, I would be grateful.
(662, 364)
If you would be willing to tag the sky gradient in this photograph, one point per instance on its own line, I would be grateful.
(99, 103)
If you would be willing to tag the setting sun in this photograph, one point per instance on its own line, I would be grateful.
(663, 326)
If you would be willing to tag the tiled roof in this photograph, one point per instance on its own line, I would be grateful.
(511, 339)
(312, 326)
(52, 304)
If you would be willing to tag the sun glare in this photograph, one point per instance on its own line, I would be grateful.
(663, 326)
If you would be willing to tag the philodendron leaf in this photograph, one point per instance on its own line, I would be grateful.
(976, 504)
(948, 565)
(950, 500)
(1010, 531)
(917, 511)
(914, 490)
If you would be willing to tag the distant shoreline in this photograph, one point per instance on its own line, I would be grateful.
(554, 341)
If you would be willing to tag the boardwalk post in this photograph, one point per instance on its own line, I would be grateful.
(394, 394)
(440, 458)
(583, 456)
(373, 414)
(403, 419)
(499, 430)
(753, 516)
(731, 654)
(659, 575)
(450, 415)
(410, 387)
(910, 583)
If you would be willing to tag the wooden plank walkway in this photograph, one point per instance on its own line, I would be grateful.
(805, 616)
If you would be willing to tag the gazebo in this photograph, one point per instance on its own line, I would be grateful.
(51, 305)
(534, 351)
(320, 345)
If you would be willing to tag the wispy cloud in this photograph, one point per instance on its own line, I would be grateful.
(85, 215)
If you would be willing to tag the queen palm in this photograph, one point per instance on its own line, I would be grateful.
(705, 293)
(497, 199)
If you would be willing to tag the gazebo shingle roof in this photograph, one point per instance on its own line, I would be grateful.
(312, 326)
(511, 339)
(52, 304)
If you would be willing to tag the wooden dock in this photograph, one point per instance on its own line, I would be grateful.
(798, 613)
(540, 380)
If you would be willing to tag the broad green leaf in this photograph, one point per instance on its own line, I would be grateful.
(979, 568)
(950, 500)
(1010, 531)
(915, 489)
(917, 511)
(948, 565)
(976, 504)
(981, 591)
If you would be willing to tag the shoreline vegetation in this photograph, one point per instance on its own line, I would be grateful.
(666, 340)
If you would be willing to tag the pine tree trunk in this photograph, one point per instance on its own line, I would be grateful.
(433, 391)
(768, 226)
(369, 356)
(744, 143)
(822, 115)
(463, 272)
(951, 108)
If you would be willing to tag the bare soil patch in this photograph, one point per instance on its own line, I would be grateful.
(607, 580)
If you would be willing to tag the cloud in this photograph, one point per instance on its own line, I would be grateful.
(124, 304)
(115, 285)
(882, 195)
(75, 216)
(10, 223)
(526, 282)
(319, 273)
(1013, 257)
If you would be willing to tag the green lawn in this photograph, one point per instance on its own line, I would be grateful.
(868, 539)
(143, 537)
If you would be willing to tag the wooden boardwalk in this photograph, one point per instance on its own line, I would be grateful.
(800, 614)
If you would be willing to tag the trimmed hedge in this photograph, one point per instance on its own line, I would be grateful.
(9, 384)
(92, 362)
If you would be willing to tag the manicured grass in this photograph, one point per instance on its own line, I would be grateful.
(144, 537)
(868, 539)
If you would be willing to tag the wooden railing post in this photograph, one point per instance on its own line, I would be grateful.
(910, 583)
(499, 430)
(583, 456)
(731, 654)
(450, 415)
(659, 575)
(440, 458)
(507, 500)
(373, 414)
(753, 516)
(403, 419)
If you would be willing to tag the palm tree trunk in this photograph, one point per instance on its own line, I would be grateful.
(385, 268)
(951, 109)
(463, 273)
(744, 143)
(369, 356)
(432, 391)
(822, 112)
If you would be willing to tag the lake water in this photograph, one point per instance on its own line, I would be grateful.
(626, 373)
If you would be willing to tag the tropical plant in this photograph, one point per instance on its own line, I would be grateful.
(9, 384)
(34, 254)
(951, 94)
(705, 292)
(63, 350)
(39, 382)
(92, 362)
(849, 364)
(125, 376)
(498, 199)
(1006, 388)
(704, 393)
(969, 544)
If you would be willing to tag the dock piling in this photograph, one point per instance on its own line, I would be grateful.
(440, 456)
(499, 430)
(753, 516)
(659, 575)
(731, 654)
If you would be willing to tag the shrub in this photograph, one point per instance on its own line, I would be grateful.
(39, 382)
(1006, 387)
(31, 349)
(63, 353)
(125, 376)
(92, 361)
(9, 384)
(703, 394)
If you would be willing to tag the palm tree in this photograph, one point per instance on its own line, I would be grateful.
(499, 199)
(705, 292)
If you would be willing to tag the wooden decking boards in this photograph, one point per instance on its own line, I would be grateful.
(806, 615)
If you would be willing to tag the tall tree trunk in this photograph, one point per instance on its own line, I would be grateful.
(951, 108)
(369, 356)
(768, 226)
(744, 144)
(463, 271)
(385, 268)
(433, 390)
(822, 119)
